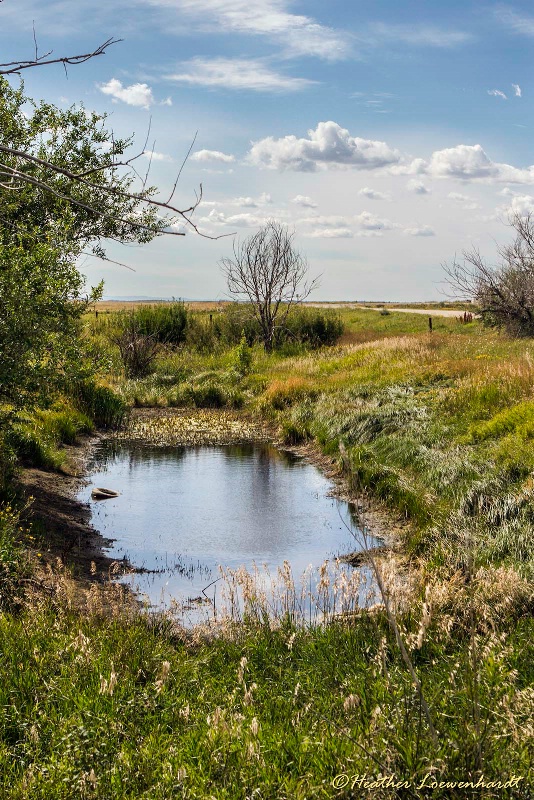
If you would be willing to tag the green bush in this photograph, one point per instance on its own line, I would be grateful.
(105, 408)
(166, 322)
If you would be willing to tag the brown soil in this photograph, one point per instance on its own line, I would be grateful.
(63, 528)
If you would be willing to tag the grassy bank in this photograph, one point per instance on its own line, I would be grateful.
(102, 703)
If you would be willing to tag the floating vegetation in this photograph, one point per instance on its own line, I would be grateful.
(193, 428)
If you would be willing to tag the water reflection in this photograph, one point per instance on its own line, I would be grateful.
(183, 512)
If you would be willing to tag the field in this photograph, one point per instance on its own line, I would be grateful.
(432, 687)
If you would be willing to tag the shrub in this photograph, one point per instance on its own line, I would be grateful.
(312, 327)
(242, 356)
(105, 408)
(165, 322)
(138, 350)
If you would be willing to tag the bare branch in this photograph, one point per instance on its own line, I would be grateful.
(14, 67)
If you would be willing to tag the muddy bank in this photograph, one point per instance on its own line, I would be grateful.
(61, 522)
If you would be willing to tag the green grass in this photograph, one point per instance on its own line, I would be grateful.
(436, 427)
(111, 709)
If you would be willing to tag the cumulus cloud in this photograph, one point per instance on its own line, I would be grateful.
(212, 155)
(329, 145)
(299, 35)
(237, 73)
(522, 204)
(497, 93)
(370, 222)
(417, 187)
(371, 194)
(424, 230)
(470, 162)
(304, 201)
(517, 89)
(138, 94)
(154, 156)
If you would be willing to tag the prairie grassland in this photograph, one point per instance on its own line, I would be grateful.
(101, 701)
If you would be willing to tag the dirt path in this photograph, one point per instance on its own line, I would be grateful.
(429, 312)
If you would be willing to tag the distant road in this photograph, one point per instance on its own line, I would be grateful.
(429, 312)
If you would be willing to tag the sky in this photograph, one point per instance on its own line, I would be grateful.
(390, 136)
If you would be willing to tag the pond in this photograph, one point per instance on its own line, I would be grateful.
(184, 512)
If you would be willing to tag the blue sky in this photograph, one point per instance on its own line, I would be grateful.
(390, 135)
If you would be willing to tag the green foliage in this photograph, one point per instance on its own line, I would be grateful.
(13, 560)
(36, 437)
(518, 419)
(313, 327)
(109, 708)
(242, 356)
(165, 322)
(73, 141)
(40, 308)
(100, 403)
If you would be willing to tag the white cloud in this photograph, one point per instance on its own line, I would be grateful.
(417, 187)
(331, 221)
(212, 155)
(154, 156)
(470, 162)
(522, 204)
(422, 35)
(235, 73)
(497, 93)
(265, 199)
(371, 194)
(305, 202)
(370, 222)
(463, 200)
(299, 35)
(517, 89)
(331, 233)
(424, 230)
(138, 94)
(517, 22)
(328, 145)
(245, 202)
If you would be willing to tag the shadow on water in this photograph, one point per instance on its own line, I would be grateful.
(185, 512)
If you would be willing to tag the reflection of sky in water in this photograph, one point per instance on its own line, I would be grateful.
(184, 511)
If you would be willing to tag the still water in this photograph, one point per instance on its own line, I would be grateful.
(183, 511)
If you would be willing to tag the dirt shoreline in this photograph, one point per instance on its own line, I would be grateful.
(66, 521)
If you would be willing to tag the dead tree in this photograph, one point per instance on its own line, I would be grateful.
(503, 293)
(267, 270)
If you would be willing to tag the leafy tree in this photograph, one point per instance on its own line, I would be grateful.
(40, 307)
(65, 185)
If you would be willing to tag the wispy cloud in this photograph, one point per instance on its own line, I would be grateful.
(299, 35)
(138, 94)
(422, 35)
(423, 230)
(245, 74)
(517, 89)
(519, 23)
(497, 93)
